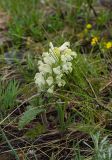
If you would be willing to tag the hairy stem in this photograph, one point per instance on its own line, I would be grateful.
(44, 119)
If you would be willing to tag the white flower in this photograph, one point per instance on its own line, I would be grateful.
(67, 67)
(61, 83)
(58, 77)
(51, 89)
(69, 57)
(63, 58)
(51, 46)
(64, 46)
(74, 54)
(53, 66)
(45, 54)
(49, 60)
(57, 70)
(52, 59)
(45, 68)
(39, 79)
(46, 60)
(49, 80)
(40, 62)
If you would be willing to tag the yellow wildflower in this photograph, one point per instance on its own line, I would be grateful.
(88, 26)
(109, 45)
(94, 41)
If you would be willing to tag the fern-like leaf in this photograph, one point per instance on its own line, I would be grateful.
(29, 115)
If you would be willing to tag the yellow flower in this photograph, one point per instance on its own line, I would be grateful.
(88, 26)
(94, 41)
(109, 45)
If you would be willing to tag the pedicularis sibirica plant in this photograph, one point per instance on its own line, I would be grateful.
(54, 67)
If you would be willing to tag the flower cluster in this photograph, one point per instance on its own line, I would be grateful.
(88, 26)
(108, 45)
(53, 66)
(94, 41)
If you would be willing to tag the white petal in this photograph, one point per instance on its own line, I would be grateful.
(69, 57)
(45, 54)
(58, 77)
(61, 83)
(74, 54)
(45, 68)
(40, 62)
(65, 67)
(39, 79)
(51, 89)
(46, 60)
(57, 70)
(52, 59)
(63, 58)
(51, 46)
(49, 60)
(64, 46)
(49, 80)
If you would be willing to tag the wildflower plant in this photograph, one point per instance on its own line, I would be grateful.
(108, 45)
(94, 41)
(89, 26)
(53, 67)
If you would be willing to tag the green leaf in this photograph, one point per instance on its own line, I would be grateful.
(29, 115)
(35, 132)
(8, 94)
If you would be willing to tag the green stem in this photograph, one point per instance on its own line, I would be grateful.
(44, 119)
(43, 114)
(9, 144)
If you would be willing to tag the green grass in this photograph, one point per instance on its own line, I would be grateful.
(26, 19)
